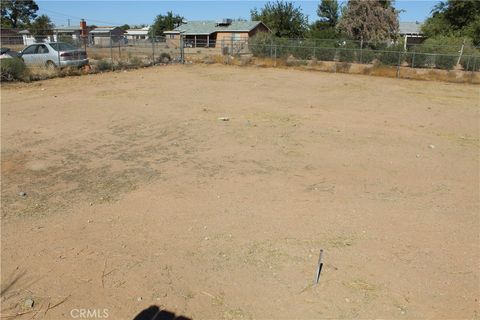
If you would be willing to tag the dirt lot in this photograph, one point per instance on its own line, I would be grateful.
(138, 195)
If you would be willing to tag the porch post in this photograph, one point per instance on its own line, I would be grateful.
(195, 41)
(208, 41)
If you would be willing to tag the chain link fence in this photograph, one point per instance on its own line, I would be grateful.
(116, 51)
(42, 55)
(304, 50)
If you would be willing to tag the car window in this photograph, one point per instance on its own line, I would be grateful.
(30, 50)
(62, 45)
(42, 49)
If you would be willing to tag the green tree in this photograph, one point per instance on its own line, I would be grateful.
(125, 27)
(459, 18)
(283, 18)
(370, 20)
(17, 13)
(41, 27)
(329, 11)
(165, 22)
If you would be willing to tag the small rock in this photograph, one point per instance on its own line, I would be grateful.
(205, 109)
(431, 146)
(89, 221)
(418, 156)
(139, 299)
(22, 194)
(29, 303)
(224, 119)
(43, 89)
(206, 238)
(347, 300)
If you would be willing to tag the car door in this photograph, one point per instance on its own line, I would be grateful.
(28, 54)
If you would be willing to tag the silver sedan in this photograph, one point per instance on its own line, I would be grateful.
(53, 54)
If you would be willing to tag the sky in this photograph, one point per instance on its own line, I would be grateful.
(143, 12)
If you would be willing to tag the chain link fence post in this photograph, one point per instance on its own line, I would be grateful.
(361, 50)
(413, 58)
(58, 47)
(398, 63)
(153, 50)
(461, 52)
(111, 49)
(275, 52)
(182, 49)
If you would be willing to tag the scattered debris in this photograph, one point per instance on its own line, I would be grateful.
(319, 266)
(22, 194)
(224, 119)
(139, 299)
(55, 305)
(29, 303)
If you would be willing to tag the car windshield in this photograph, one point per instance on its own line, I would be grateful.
(62, 45)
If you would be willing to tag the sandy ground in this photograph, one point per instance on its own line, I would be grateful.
(137, 195)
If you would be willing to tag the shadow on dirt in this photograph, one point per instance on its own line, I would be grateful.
(154, 313)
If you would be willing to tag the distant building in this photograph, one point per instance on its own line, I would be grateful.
(10, 37)
(412, 33)
(106, 36)
(70, 34)
(214, 34)
(137, 34)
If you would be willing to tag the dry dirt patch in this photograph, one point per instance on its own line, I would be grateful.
(137, 194)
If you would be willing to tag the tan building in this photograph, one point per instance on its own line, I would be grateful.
(214, 34)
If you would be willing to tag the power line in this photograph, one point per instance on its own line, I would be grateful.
(79, 18)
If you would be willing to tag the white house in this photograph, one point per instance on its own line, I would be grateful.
(411, 32)
(137, 34)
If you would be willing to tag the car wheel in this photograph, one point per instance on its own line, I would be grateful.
(50, 65)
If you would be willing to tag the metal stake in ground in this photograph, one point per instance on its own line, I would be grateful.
(319, 266)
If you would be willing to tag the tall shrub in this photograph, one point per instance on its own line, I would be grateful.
(12, 69)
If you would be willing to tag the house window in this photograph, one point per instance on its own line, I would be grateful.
(236, 36)
(171, 36)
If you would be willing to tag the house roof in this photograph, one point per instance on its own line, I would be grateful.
(67, 28)
(104, 29)
(141, 31)
(210, 26)
(410, 27)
